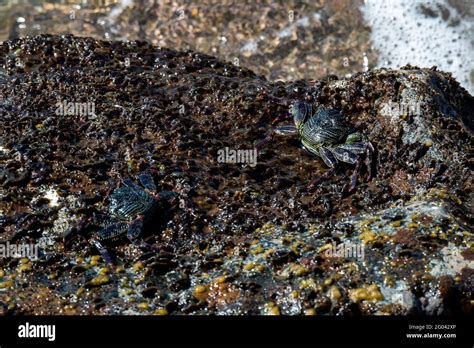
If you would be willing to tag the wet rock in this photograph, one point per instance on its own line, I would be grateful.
(150, 292)
(171, 112)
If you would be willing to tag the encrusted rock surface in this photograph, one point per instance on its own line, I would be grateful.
(244, 239)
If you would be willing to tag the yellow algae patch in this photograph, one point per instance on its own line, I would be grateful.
(368, 293)
(367, 236)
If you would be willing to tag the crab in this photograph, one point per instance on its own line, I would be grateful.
(326, 135)
(132, 208)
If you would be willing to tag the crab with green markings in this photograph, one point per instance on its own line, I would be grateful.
(329, 136)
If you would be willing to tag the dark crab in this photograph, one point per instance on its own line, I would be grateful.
(132, 208)
(327, 135)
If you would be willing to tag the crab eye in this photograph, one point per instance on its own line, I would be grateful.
(300, 111)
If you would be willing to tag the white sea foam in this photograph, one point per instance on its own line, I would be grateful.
(122, 5)
(402, 33)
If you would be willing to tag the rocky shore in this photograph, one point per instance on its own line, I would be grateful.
(242, 239)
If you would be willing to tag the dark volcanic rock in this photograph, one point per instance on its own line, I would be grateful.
(237, 225)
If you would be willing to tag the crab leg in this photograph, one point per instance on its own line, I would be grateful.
(141, 243)
(103, 251)
(321, 178)
(133, 233)
(283, 130)
(112, 231)
(276, 100)
(355, 175)
(166, 195)
(281, 118)
(368, 160)
(330, 160)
